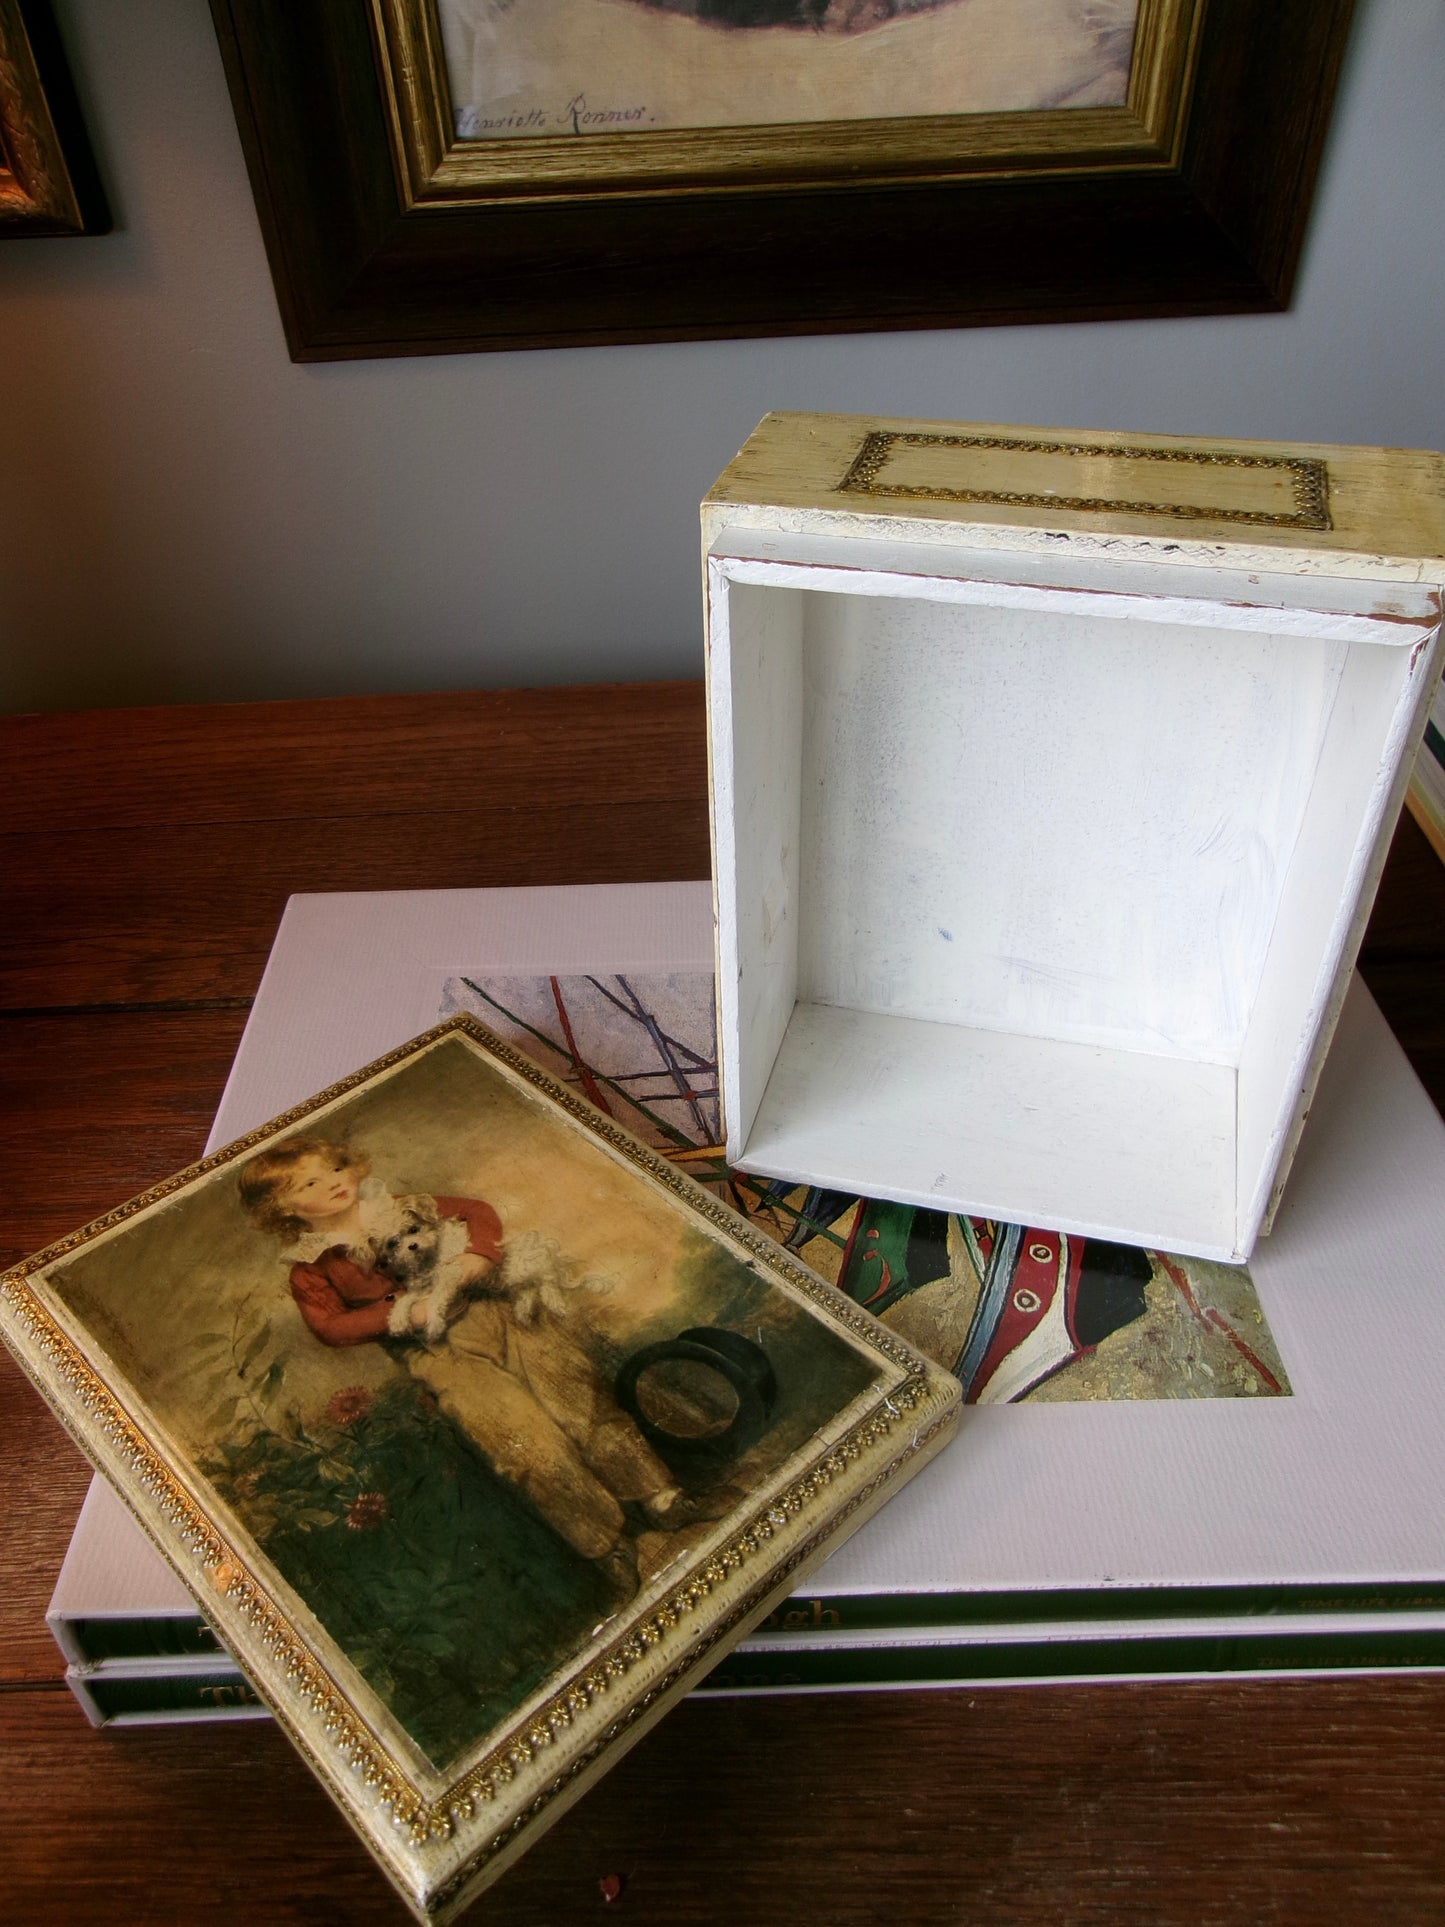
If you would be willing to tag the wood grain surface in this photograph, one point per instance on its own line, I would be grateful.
(144, 861)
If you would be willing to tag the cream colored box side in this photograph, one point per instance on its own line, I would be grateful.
(1425, 675)
(1296, 508)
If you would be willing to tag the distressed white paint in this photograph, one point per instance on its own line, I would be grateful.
(1087, 577)
(1005, 1124)
(1082, 831)
(1363, 771)
(1037, 877)
(755, 851)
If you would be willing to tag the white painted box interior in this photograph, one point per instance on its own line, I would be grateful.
(1038, 883)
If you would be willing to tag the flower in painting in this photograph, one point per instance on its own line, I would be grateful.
(366, 1512)
(348, 1405)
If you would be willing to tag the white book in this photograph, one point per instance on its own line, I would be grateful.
(1059, 1540)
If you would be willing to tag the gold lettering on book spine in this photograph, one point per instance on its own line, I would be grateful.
(1306, 476)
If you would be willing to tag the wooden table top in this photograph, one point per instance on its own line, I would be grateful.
(145, 858)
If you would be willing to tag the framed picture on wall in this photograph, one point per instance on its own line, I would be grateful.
(438, 175)
(48, 180)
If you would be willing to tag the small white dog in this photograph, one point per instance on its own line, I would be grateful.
(537, 1276)
(424, 1251)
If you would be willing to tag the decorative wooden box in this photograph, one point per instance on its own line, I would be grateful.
(1051, 782)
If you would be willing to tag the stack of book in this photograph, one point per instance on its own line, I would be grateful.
(1067, 1536)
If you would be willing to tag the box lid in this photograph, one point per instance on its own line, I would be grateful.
(475, 1472)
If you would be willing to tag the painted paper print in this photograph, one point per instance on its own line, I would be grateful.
(1015, 1312)
(577, 67)
(468, 1380)
(643, 1050)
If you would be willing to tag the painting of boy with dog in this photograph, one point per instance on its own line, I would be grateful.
(467, 1380)
(483, 1321)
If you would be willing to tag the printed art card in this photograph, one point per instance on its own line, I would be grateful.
(477, 1427)
(1014, 1311)
(578, 67)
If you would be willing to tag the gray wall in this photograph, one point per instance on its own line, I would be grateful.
(185, 515)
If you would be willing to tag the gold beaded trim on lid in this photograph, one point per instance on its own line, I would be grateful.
(1308, 478)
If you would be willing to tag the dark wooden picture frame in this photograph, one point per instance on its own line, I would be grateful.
(386, 237)
(48, 178)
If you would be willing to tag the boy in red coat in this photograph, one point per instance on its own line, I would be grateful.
(518, 1385)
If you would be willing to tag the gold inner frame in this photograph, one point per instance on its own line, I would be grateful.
(434, 170)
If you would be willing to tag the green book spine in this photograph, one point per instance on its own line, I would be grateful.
(153, 1636)
(132, 1696)
(878, 1612)
(968, 1663)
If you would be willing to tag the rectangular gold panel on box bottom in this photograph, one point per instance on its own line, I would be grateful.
(1274, 491)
